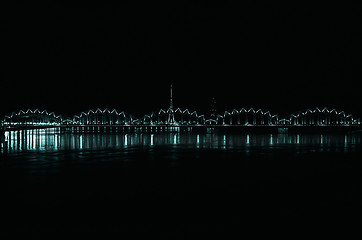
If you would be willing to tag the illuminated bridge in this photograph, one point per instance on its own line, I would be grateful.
(166, 118)
(177, 118)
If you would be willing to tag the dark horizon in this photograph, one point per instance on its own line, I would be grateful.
(282, 58)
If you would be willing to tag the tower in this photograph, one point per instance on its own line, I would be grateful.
(171, 117)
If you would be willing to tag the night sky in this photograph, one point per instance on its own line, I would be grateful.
(282, 58)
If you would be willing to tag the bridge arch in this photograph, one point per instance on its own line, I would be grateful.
(247, 117)
(175, 117)
(32, 117)
(103, 117)
(322, 117)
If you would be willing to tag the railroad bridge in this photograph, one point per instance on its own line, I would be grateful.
(171, 118)
(321, 117)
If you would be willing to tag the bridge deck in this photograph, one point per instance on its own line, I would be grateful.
(195, 128)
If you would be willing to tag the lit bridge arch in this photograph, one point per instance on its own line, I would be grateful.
(32, 118)
(245, 117)
(324, 117)
(103, 117)
(174, 117)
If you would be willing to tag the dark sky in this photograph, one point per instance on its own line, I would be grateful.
(282, 58)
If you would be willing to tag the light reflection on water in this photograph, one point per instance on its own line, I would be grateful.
(52, 140)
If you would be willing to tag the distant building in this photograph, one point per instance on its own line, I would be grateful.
(213, 108)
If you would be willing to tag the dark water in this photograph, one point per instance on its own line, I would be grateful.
(179, 184)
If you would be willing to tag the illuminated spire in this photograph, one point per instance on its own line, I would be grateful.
(171, 117)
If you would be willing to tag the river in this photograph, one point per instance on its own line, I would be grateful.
(177, 183)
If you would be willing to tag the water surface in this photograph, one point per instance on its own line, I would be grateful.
(178, 183)
(53, 140)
